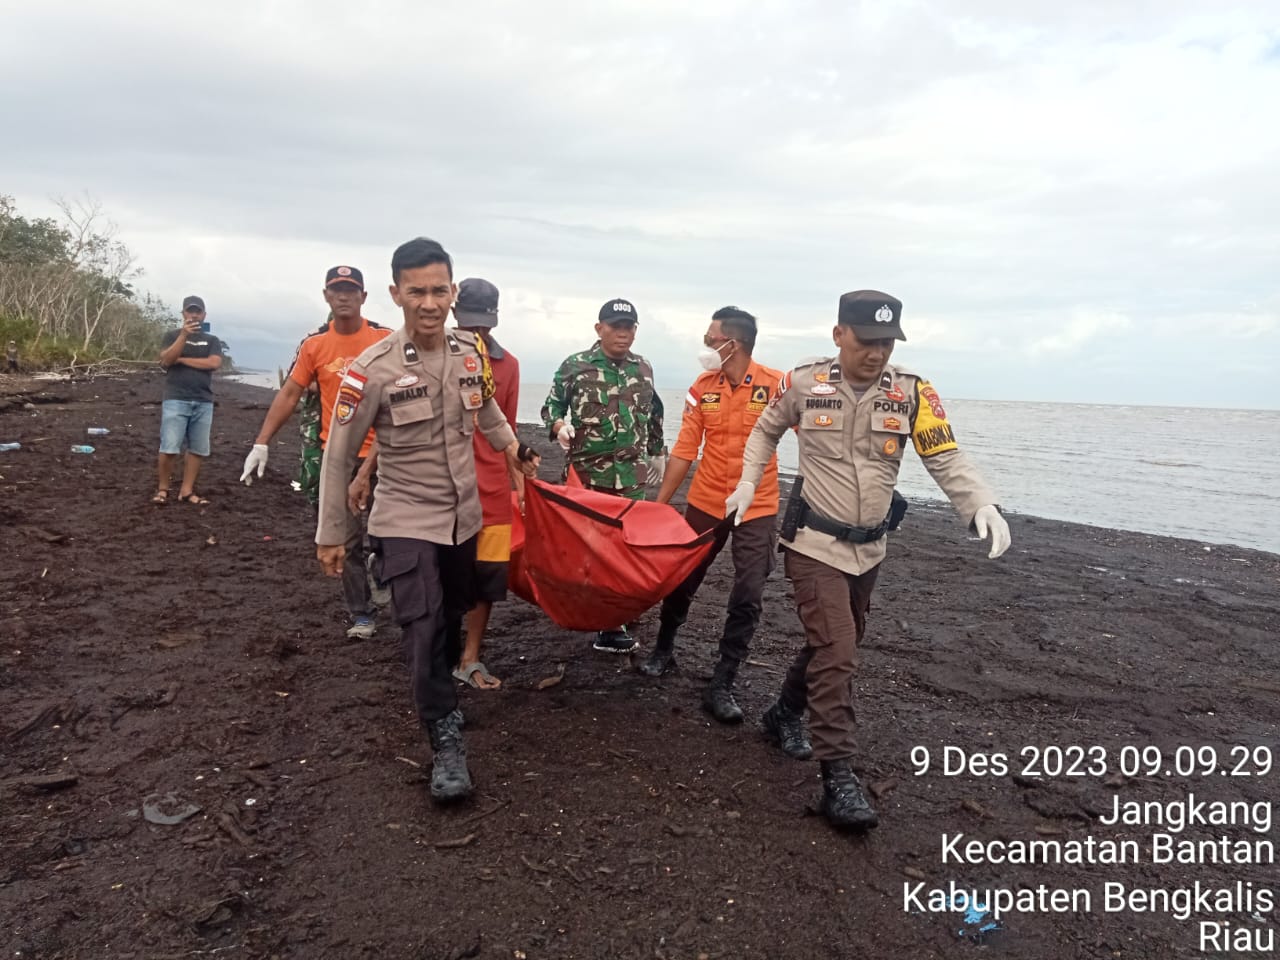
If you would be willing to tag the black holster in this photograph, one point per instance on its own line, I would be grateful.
(793, 516)
(897, 510)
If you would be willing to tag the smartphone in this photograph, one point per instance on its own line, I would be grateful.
(204, 325)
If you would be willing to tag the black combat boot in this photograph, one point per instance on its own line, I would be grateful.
(615, 641)
(843, 802)
(450, 779)
(717, 699)
(787, 727)
(662, 658)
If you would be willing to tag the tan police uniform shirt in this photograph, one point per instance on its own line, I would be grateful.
(851, 450)
(425, 409)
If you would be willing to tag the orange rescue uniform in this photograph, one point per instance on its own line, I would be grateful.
(323, 357)
(723, 416)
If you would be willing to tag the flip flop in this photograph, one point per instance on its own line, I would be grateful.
(467, 675)
(161, 496)
(194, 498)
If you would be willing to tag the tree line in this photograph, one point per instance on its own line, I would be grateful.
(68, 292)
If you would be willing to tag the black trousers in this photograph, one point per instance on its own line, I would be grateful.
(754, 549)
(431, 588)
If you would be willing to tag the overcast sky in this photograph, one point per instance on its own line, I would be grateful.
(1075, 202)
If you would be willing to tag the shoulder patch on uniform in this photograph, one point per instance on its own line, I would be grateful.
(784, 385)
(930, 431)
(464, 336)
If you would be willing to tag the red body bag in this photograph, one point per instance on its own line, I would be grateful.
(593, 561)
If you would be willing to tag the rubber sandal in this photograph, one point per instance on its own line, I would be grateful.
(161, 496)
(468, 673)
(194, 498)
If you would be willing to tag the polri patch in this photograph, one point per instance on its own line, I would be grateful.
(935, 402)
(408, 380)
(348, 402)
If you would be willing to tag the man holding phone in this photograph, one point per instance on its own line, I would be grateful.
(189, 355)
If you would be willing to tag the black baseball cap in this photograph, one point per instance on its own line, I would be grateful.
(337, 275)
(192, 301)
(618, 312)
(477, 303)
(872, 315)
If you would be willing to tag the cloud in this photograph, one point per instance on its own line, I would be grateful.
(1077, 332)
(1015, 173)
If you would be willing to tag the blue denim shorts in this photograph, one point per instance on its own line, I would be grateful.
(185, 420)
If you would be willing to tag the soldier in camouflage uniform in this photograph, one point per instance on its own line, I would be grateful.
(605, 413)
(312, 451)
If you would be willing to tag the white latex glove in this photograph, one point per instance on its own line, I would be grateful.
(257, 458)
(565, 436)
(988, 519)
(655, 467)
(740, 500)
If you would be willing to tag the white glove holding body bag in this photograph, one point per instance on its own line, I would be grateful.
(257, 458)
(740, 500)
(565, 436)
(988, 519)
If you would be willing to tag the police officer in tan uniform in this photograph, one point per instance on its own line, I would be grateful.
(425, 390)
(854, 415)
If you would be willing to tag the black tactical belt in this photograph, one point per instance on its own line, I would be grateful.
(810, 518)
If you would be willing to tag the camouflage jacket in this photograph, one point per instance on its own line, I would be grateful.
(312, 450)
(616, 414)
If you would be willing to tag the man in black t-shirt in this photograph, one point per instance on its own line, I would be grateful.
(189, 356)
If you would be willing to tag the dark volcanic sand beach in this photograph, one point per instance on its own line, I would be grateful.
(195, 656)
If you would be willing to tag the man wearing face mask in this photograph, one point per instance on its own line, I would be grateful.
(720, 411)
(606, 415)
(854, 415)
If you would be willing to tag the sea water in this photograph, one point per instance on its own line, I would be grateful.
(1204, 474)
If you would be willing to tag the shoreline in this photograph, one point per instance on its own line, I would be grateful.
(532, 433)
